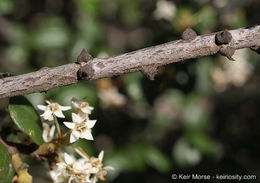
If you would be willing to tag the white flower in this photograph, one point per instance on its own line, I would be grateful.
(59, 175)
(52, 109)
(96, 168)
(82, 108)
(66, 164)
(48, 132)
(81, 128)
(84, 170)
(72, 170)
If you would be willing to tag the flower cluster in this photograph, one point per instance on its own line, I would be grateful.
(86, 169)
(80, 126)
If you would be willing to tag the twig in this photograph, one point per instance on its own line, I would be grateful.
(10, 149)
(146, 60)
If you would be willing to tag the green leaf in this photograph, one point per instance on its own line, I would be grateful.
(5, 160)
(26, 118)
(10, 176)
(86, 145)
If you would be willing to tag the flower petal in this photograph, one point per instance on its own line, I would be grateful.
(76, 118)
(55, 175)
(108, 168)
(68, 159)
(71, 179)
(100, 156)
(94, 170)
(74, 136)
(87, 135)
(48, 132)
(87, 109)
(64, 108)
(52, 131)
(75, 103)
(59, 113)
(69, 125)
(41, 107)
(47, 117)
(47, 112)
(91, 123)
(94, 179)
(61, 165)
(45, 132)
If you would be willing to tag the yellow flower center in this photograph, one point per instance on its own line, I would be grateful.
(82, 127)
(54, 107)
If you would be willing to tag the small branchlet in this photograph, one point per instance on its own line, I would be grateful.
(21, 169)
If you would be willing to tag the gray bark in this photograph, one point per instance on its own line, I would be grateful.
(146, 60)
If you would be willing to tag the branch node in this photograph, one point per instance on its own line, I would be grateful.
(188, 34)
(85, 73)
(228, 52)
(150, 71)
(223, 37)
(84, 56)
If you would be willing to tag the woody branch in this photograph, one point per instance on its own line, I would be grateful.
(146, 60)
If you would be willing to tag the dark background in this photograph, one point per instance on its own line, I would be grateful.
(197, 116)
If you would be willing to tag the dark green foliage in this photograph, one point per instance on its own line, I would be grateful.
(26, 118)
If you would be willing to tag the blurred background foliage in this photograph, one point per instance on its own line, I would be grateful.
(197, 116)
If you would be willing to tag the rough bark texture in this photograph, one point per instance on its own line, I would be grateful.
(146, 60)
